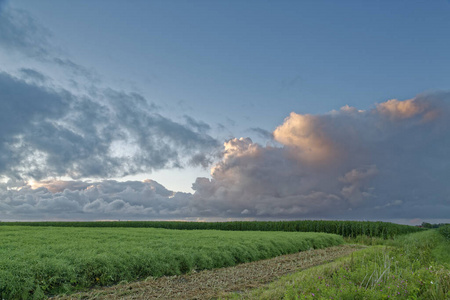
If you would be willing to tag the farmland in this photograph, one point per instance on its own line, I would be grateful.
(39, 261)
(43, 259)
(344, 228)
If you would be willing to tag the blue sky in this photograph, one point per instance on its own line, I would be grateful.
(256, 61)
(214, 71)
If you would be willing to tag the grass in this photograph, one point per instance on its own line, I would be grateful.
(445, 231)
(39, 261)
(413, 266)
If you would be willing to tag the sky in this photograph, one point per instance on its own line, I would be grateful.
(225, 110)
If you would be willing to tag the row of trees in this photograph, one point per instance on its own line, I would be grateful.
(430, 226)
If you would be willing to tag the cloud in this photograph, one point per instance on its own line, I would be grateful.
(262, 133)
(198, 126)
(47, 132)
(382, 168)
(31, 44)
(355, 181)
(306, 136)
(19, 32)
(78, 200)
(48, 129)
(201, 159)
(28, 73)
(23, 107)
(387, 162)
(383, 163)
(397, 110)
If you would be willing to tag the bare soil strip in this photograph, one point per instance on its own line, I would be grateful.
(210, 284)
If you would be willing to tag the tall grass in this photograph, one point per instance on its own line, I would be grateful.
(442, 251)
(39, 261)
(404, 268)
(445, 231)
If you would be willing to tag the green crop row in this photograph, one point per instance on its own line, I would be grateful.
(344, 228)
(39, 261)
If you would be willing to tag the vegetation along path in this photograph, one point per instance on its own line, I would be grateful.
(210, 284)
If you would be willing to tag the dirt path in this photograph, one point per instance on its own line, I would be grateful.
(210, 284)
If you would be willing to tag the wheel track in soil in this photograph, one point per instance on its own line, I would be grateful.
(210, 284)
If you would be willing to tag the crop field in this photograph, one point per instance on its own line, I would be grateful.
(36, 262)
(345, 228)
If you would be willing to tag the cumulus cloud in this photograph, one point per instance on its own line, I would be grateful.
(306, 137)
(396, 110)
(386, 162)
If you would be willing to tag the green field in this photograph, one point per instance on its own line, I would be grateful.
(39, 261)
(345, 228)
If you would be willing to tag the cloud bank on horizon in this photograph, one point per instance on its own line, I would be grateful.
(389, 162)
(62, 140)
